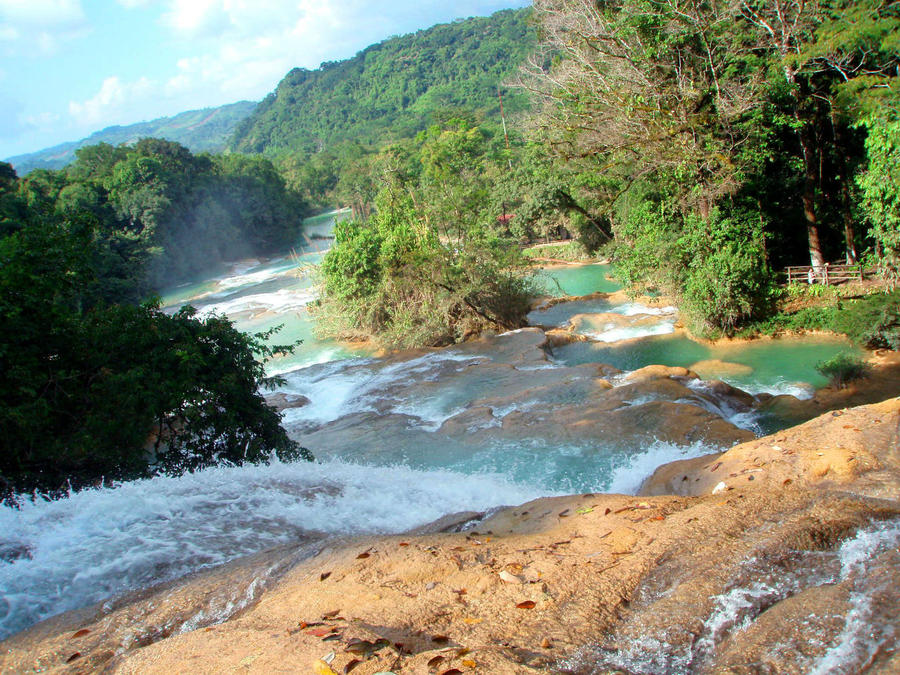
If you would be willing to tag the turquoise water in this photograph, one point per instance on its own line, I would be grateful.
(577, 280)
(775, 362)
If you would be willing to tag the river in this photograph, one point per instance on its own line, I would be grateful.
(400, 440)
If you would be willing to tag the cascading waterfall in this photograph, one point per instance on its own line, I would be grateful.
(400, 441)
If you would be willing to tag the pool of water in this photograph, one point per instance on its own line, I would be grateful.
(785, 365)
(577, 280)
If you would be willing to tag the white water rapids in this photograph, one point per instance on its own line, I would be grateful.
(69, 553)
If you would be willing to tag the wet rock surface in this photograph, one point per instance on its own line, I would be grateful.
(790, 572)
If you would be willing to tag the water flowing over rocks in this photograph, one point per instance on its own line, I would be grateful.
(747, 555)
(791, 567)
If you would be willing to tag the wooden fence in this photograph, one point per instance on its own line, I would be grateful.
(827, 274)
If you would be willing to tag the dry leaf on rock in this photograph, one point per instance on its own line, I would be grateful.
(322, 668)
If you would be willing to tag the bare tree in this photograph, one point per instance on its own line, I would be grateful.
(645, 86)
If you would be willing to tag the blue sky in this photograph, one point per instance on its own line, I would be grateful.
(71, 67)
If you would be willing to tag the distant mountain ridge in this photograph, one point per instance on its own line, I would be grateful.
(206, 130)
(394, 88)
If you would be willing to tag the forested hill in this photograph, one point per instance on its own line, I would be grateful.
(206, 130)
(392, 89)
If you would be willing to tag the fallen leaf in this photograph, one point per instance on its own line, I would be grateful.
(564, 514)
(332, 614)
(321, 632)
(528, 604)
(333, 636)
(351, 664)
(364, 554)
(435, 662)
(472, 620)
(585, 510)
(324, 576)
(440, 639)
(462, 652)
(322, 668)
(607, 511)
(329, 658)
(81, 633)
(74, 657)
(716, 466)
(469, 663)
(546, 644)
(404, 543)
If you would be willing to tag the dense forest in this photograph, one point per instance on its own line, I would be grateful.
(207, 130)
(318, 126)
(701, 146)
(97, 381)
(704, 146)
(724, 140)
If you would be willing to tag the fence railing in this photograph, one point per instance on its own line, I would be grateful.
(825, 274)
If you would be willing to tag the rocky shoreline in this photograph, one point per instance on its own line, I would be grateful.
(658, 582)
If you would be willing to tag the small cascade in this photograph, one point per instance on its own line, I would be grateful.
(400, 441)
(831, 599)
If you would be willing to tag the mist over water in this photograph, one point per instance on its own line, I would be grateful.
(400, 441)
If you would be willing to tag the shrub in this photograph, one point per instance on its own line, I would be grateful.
(842, 369)
(873, 321)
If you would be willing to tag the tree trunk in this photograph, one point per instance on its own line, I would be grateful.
(816, 259)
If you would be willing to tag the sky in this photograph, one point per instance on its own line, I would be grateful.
(72, 67)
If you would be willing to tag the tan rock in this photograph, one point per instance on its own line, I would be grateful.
(812, 488)
(715, 368)
(658, 372)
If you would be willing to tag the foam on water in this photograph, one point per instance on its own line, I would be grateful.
(636, 308)
(284, 300)
(351, 386)
(65, 554)
(762, 584)
(630, 332)
(630, 472)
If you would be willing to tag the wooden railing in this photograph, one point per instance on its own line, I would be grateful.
(826, 274)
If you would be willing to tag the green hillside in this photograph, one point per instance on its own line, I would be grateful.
(206, 130)
(393, 89)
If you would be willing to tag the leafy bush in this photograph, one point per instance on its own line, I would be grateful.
(91, 391)
(873, 321)
(842, 369)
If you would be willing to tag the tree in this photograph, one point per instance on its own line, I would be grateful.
(90, 389)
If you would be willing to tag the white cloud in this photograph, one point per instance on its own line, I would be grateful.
(240, 49)
(246, 46)
(114, 98)
(41, 23)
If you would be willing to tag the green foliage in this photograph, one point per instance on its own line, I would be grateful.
(723, 138)
(164, 215)
(428, 267)
(842, 369)
(715, 266)
(872, 321)
(393, 89)
(90, 389)
(880, 185)
(323, 127)
(572, 251)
